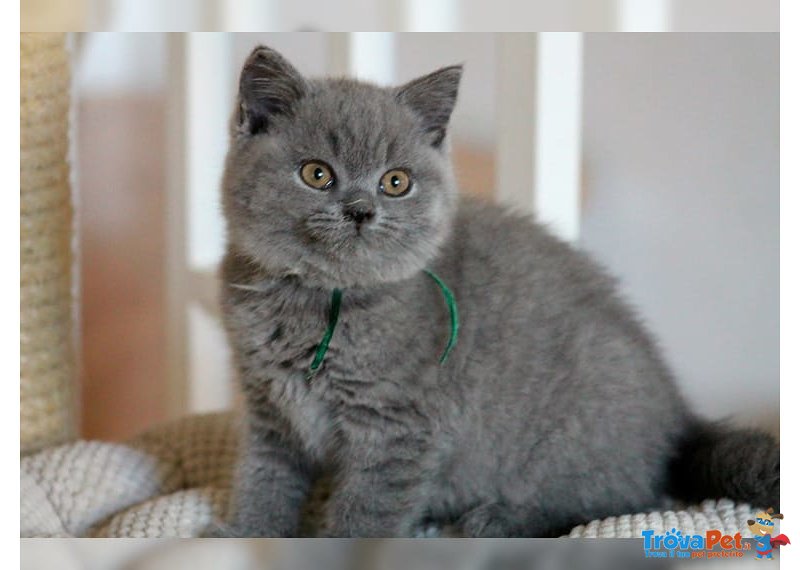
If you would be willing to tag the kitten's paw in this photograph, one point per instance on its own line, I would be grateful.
(427, 531)
(485, 521)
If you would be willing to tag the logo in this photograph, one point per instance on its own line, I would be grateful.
(762, 528)
(675, 544)
(716, 544)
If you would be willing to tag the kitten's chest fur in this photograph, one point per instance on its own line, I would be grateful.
(382, 355)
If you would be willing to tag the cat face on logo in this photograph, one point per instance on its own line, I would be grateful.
(339, 182)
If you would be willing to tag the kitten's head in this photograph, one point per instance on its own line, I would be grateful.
(339, 182)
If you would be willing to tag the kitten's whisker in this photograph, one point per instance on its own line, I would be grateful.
(247, 287)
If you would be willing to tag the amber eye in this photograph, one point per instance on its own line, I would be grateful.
(317, 175)
(395, 183)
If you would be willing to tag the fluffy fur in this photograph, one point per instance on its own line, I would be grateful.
(555, 406)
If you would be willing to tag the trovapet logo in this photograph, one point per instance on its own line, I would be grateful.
(675, 544)
(716, 544)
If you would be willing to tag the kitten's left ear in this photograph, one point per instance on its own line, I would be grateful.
(433, 97)
(269, 86)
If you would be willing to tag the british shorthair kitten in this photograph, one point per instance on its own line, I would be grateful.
(444, 362)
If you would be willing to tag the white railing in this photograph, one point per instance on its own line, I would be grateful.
(199, 104)
(539, 127)
(368, 56)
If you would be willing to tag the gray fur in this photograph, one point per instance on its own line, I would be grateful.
(555, 406)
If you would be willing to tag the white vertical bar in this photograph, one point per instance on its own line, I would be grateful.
(210, 385)
(558, 132)
(199, 104)
(643, 15)
(539, 127)
(208, 107)
(209, 103)
(372, 56)
(431, 16)
(368, 56)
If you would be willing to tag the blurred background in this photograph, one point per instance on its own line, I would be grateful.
(400, 15)
(658, 153)
(301, 554)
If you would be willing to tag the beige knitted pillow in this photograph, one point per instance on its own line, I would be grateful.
(173, 480)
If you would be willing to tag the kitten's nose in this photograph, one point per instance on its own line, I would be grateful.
(358, 211)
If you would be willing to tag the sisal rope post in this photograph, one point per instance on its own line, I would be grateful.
(47, 353)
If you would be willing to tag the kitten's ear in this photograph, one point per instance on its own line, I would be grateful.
(433, 97)
(268, 86)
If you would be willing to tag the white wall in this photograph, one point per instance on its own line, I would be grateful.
(114, 64)
(682, 202)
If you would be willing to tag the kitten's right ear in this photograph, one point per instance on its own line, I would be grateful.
(269, 86)
(433, 97)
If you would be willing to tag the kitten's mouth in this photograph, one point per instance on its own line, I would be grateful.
(336, 232)
(341, 252)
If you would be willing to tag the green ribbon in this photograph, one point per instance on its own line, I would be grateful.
(450, 299)
(333, 319)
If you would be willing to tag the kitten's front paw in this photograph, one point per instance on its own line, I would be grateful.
(427, 531)
(486, 521)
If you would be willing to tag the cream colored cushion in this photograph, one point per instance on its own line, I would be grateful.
(171, 482)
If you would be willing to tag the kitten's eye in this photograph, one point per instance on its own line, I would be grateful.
(317, 175)
(395, 183)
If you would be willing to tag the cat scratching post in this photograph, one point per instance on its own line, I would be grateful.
(47, 355)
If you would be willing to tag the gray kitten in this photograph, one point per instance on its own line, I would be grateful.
(553, 408)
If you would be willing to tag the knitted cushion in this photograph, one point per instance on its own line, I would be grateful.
(173, 480)
(167, 482)
(723, 515)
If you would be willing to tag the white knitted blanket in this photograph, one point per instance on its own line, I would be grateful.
(171, 482)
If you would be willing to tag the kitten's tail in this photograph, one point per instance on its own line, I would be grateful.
(715, 462)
